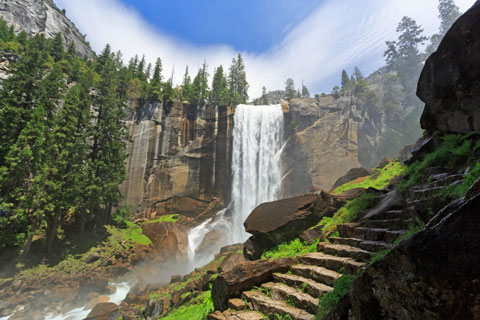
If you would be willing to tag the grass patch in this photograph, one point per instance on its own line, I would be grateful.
(349, 212)
(456, 150)
(198, 309)
(290, 249)
(379, 255)
(378, 180)
(411, 231)
(132, 233)
(167, 218)
(277, 316)
(460, 190)
(329, 300)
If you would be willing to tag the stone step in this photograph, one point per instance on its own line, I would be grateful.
(426, 193)
(237, 304)
(392, 224)
(339, 264)
(311, 287)
(344, 251)
(298, 299)
(353, 242)
(374, 246)
(393, 214)
(377, 234)
(270, 307)
(318, 274)
(235, 315)
(346, 229)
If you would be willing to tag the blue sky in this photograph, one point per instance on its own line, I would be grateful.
(246, 25)
(307, 40)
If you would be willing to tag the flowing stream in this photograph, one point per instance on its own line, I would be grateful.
(257, 141)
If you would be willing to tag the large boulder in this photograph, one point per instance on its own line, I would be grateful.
(170, 240)
(433, 275)
(351, 175)
(243, 277)
(278, 221)
(104, 311)
(450, 81)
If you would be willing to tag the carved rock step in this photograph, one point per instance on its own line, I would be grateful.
(353, 242)
(344, 251)
(374, 246)
(339, 264)
(393, 214)
(377, 234)
(280, 291)
(270, 307)
(392, 224)
(318, 274)
(311, 287)
(235, 315)
(346, 229)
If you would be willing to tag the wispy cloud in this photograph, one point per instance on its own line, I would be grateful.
(337, 35)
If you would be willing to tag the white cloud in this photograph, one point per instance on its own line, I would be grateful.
(337, 35)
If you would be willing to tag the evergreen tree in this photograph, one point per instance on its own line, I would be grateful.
(448, 12)
(186, 92)
(56, 47)
(219, 95)
(290, 91)
(200, 86)
(345, 80)
(156, 82)
(237, 81)
(264, 96)
(305, 92)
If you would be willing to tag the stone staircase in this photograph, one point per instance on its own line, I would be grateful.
(297, 293)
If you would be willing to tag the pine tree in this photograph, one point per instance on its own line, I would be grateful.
(290, 91)
(237, 81)
(345, 80)
(219, 95)
(156, 82)
(448, 12)
(200, 87)
(56, 47)
(305, 92)
(186, 92)
(264, 96)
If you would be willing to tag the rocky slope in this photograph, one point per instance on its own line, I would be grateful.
(42, 16)
(335, 133)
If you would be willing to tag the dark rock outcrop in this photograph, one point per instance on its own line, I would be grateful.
(433, 275)
(275, 222)
(245, 276)
(450, 82)
(104, 311)
(170, 240)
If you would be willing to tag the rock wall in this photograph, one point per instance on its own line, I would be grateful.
(333, 134)
(42, 16)
(179, 158)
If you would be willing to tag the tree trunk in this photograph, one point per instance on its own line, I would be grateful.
(83, 218)
(52, 230)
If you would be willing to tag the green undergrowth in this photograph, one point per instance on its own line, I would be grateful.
(380, 179)
(197, 309)
(349, 212)
(456, 151)
(290, 249)
(329, 300)
(166, 218)
(132, 233)
(277, 316)
(460, 190)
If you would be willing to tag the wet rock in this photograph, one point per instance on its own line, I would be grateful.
(170, 240)
(449, 84)
(244, 276)
(176, 278)
(153, 309)
(231, 261)
(92, 258)
(95, 301)
(103, 311)
(211, 243)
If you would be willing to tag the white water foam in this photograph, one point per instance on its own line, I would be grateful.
(257, 141)
(257, 173)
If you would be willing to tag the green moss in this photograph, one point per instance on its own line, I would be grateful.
(348, 212)
(167, 218)
(133, 233)
(198, 309)
(290, 249)
(329, 300)
(378, 180)
(379, 255)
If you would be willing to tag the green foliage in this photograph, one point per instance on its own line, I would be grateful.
(456, 150)
(282, 317)
(219, 95)
(379, 255)
(237, 82)
(348, 212)
(413, 229)
(197, 309)
(290, 91)
(290, 249)
(378, 180)
(167, 218)
(329, 300)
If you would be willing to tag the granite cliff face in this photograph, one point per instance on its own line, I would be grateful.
(42, 16)
(179, 160)
(334, 134)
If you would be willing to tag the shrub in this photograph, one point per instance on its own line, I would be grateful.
(329, 300)
(290, 249)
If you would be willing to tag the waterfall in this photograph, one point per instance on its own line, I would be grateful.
(257, 140)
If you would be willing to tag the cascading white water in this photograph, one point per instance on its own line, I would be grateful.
(256, 167)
